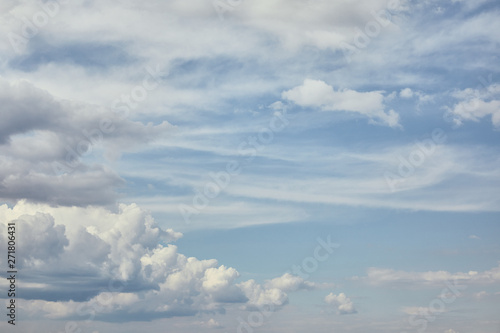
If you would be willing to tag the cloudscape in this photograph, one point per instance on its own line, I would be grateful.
(250, 166)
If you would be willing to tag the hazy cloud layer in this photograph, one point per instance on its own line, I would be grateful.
(382, 276)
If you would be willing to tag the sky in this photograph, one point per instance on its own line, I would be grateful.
(251, 165)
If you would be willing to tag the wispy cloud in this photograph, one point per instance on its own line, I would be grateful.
(384, 276)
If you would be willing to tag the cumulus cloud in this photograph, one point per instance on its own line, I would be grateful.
(41, 238)
(44, 142)
(450, 331)
(260, 297)
(212, 323)
(475, 104)
(90, 246)
(86, 53)
(406, 93)
(93, 262)
(318, 94)
(288, 282)
(341, 302)
(422, 98)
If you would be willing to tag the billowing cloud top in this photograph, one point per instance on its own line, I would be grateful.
(122, 262)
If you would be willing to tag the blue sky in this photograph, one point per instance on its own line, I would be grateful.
(241, 166)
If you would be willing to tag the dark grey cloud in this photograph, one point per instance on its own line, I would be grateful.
(92, 186)
(25, 108)
(35, 247)
(44, 144)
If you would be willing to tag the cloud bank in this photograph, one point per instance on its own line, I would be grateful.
(124, 265)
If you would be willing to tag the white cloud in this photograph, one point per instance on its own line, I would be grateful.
(289, 283)
(450, 331)
(67, 69)
(260, 297)
(212, 323)
(123, 263)
(318, 94)
(474, 237)
(343, 304)
(255, 53)
(406, 93)
(41, 239)
(359, 179)
(422, 98)
(475, 104)
(421, 311)
(383, 276)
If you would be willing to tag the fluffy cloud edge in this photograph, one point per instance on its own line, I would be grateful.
(318, 94)
(341, 303)
(131, 268)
